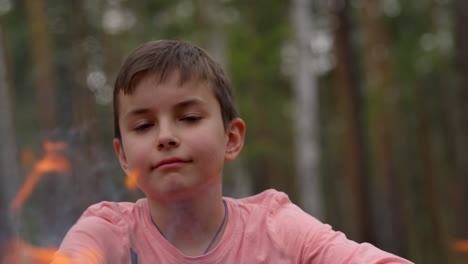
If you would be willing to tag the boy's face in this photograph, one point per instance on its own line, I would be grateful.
(174, 137)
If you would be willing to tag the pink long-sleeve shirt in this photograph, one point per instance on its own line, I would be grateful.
(265, 228)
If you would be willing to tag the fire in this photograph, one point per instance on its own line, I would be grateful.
(131, 180)
(51, 162)
(20, 252)
(17, 251)
(461, 245)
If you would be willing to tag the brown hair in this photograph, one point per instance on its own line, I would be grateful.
(163, 57)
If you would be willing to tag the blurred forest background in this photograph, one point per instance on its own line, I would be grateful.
(357, 109)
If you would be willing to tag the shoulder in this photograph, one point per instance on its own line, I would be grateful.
(106, 216)
(275, 205)
(266, 199)
(114, 212)
(117, 217)
(275, 212)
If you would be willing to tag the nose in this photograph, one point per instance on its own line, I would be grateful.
(167, 137)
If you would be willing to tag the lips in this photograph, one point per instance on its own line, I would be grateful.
(170, 162)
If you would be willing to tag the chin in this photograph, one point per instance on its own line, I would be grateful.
(170, 191)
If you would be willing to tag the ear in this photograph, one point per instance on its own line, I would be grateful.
(121, 155)
(235, 139)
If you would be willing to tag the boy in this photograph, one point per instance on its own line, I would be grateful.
(175, 125)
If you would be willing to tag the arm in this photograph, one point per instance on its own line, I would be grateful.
(309, 241)
(317, 243)
(93, 240)
(328, 246)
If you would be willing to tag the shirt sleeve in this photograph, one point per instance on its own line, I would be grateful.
(94, 240)
(328, 246)
(313, 242)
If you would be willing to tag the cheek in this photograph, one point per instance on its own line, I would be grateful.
(208, 144)
(137, 153)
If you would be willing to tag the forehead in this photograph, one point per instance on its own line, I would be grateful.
(174, 82)
(170, 79)
(155, 91)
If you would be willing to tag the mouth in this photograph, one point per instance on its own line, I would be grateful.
(170, 162)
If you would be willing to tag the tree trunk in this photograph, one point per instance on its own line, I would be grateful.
(305, 94)
(383, 97)
(9, 167)
(437, 238)
(42, 65)
(349, 107)
(460, 133)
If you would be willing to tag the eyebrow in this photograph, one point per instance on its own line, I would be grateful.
(189, 102)
(179, 105)
(137, 111)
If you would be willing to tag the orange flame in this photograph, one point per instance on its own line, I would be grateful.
(461, 245)
(17, 251)
(20, 252)
(51, 162)
(131, 180)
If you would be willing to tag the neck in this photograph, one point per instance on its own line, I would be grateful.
(191, 224)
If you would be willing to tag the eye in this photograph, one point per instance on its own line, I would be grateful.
(191, 118)
(142, 127)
